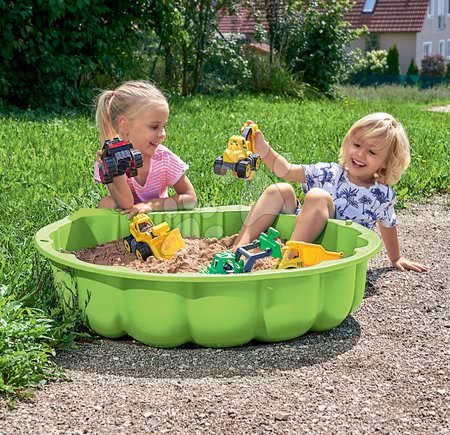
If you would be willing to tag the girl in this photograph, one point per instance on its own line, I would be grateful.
(373, 155)
(137, 111)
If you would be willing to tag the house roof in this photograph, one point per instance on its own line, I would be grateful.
(243, 22)
(390, 15)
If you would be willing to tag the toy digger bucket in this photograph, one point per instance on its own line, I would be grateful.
(311, 253)
(172, 243)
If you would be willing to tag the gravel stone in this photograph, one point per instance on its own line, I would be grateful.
(384, 369)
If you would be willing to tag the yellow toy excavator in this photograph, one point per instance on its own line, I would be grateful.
(301, 254)
(147, 239)
(240, 156)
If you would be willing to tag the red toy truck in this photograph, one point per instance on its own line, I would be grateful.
(118, 158)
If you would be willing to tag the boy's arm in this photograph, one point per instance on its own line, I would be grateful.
(277, 163)
(185, 199)
(391, 243)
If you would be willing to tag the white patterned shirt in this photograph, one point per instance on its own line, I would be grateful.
(363, 205)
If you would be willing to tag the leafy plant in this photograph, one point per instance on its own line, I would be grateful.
(319, 35)
(393, 61)
(26, 348)
(433, 66)
(413, 69)
(55, 53)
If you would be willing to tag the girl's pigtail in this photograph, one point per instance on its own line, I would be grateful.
(103, 116)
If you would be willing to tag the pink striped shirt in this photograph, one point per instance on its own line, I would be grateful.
(166, 168)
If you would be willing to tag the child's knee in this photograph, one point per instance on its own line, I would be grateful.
(320, 198)
(107, 202)
(280, 189)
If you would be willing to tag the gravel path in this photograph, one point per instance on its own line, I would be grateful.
(385, 369)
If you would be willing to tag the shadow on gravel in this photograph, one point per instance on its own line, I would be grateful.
(372, 277)
(125, 357)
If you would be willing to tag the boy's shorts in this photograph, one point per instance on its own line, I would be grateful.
(297, 211)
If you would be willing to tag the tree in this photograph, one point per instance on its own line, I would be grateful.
(185, 29)
(56, 52)
(319, 37)
(413, 69)
(393, 62)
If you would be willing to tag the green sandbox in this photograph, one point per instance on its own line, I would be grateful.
(167, 310)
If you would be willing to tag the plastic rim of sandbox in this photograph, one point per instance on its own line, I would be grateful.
(167, 310)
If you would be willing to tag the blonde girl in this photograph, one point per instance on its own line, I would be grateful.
(373, 156)
(138, 111)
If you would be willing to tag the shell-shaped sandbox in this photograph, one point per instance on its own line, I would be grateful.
(167, 310)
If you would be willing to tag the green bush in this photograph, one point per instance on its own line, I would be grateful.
(393, 62)
(318, 37)
(447, 72)
(226, 67)
(54, 53)
(433, 66)
(413, 69)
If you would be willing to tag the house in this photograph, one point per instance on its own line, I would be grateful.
(242, 25)
(419, 28)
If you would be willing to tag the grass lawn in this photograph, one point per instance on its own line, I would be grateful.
(46, 174)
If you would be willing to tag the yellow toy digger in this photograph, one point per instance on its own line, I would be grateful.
(301, 254)
(147, 239)
(239, 155)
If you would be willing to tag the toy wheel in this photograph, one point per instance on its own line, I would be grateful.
(110, 165)
(137, 158)
(142, 251)
(228, 268)
(244, 169)
(105, 178)
(218, 169)
(127, 242)
(256, 161)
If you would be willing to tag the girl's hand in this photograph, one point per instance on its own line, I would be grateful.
(405, 264)
(140, 207)
(99, 156)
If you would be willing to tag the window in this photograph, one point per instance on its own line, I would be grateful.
(442, 48)
(431, 8)
(440, 13)
(369, 6)
(448, 7)
(427, 49)
(448, 48)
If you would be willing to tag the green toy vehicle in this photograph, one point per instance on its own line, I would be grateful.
(224, 263)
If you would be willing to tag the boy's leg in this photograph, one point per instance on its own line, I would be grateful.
(317, 208)
(107, 202)
(276, 199)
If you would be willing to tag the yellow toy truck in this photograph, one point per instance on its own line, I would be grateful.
(240, 156)
(301, 254)
(147, 239)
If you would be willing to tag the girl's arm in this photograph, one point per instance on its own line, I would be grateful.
(277, 163)
(185, 199)
(391, 243)
(121, 192)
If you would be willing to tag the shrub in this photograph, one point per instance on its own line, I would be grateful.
(393, 61)
(447, 72)
(318, 37)
(376, 62)
(226, 67)
(433, 66)
(53, 52)
(413, 69)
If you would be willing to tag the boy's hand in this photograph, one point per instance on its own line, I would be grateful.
(261, 146)
(405, 264)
